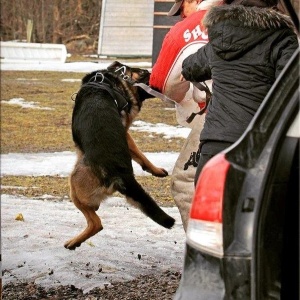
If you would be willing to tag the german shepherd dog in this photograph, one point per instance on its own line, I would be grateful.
(105, 106)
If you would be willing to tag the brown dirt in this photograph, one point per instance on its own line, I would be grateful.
(151, 287)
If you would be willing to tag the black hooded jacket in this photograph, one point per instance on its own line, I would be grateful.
(248, 48)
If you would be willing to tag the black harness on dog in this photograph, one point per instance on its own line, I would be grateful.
(119, 99)
(105, 84)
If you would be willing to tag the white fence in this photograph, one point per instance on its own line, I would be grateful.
(32, 52)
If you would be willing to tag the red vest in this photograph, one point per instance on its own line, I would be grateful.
(188, 31)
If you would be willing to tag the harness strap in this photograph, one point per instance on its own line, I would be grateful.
(122, 71)
(119, 99)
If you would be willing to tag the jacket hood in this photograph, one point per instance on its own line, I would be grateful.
(233, 29)
(207, 4)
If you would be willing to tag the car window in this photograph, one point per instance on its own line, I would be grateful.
(296, 6)
(294, 130)
(292, 7)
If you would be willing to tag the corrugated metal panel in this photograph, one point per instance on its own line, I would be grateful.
(162, 24)
(126, 28)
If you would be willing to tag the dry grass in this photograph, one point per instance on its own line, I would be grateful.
(35, 130)
(29, 186)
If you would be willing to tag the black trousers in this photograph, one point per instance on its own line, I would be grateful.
(207, 150)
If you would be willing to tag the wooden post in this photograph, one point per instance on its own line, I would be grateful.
(29, 30)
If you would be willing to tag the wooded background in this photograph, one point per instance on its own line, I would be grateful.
(74, 23)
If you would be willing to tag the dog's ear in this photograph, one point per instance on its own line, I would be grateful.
(119, 69)
(88, 77)
(114, 65)
(94, 76)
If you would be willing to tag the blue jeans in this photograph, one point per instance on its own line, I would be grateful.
(208, 149)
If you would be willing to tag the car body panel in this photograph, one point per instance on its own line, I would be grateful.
(260, 208)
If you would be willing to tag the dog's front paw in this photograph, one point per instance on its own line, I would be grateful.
(160, 172)
(157, 172)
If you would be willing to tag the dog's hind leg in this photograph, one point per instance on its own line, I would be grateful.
(93, 226)
(86, 195)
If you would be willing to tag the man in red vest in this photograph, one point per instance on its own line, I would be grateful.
(183, 39)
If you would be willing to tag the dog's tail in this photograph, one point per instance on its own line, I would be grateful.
(137, 196)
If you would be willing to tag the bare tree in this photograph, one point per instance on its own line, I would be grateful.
(54, 21)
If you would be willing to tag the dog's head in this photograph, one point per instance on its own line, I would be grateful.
(124, 73)
(132, 75)
(121, 71)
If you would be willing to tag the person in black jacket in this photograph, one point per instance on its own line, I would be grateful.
(250, 43)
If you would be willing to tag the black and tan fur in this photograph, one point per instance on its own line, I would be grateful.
(105, 148)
